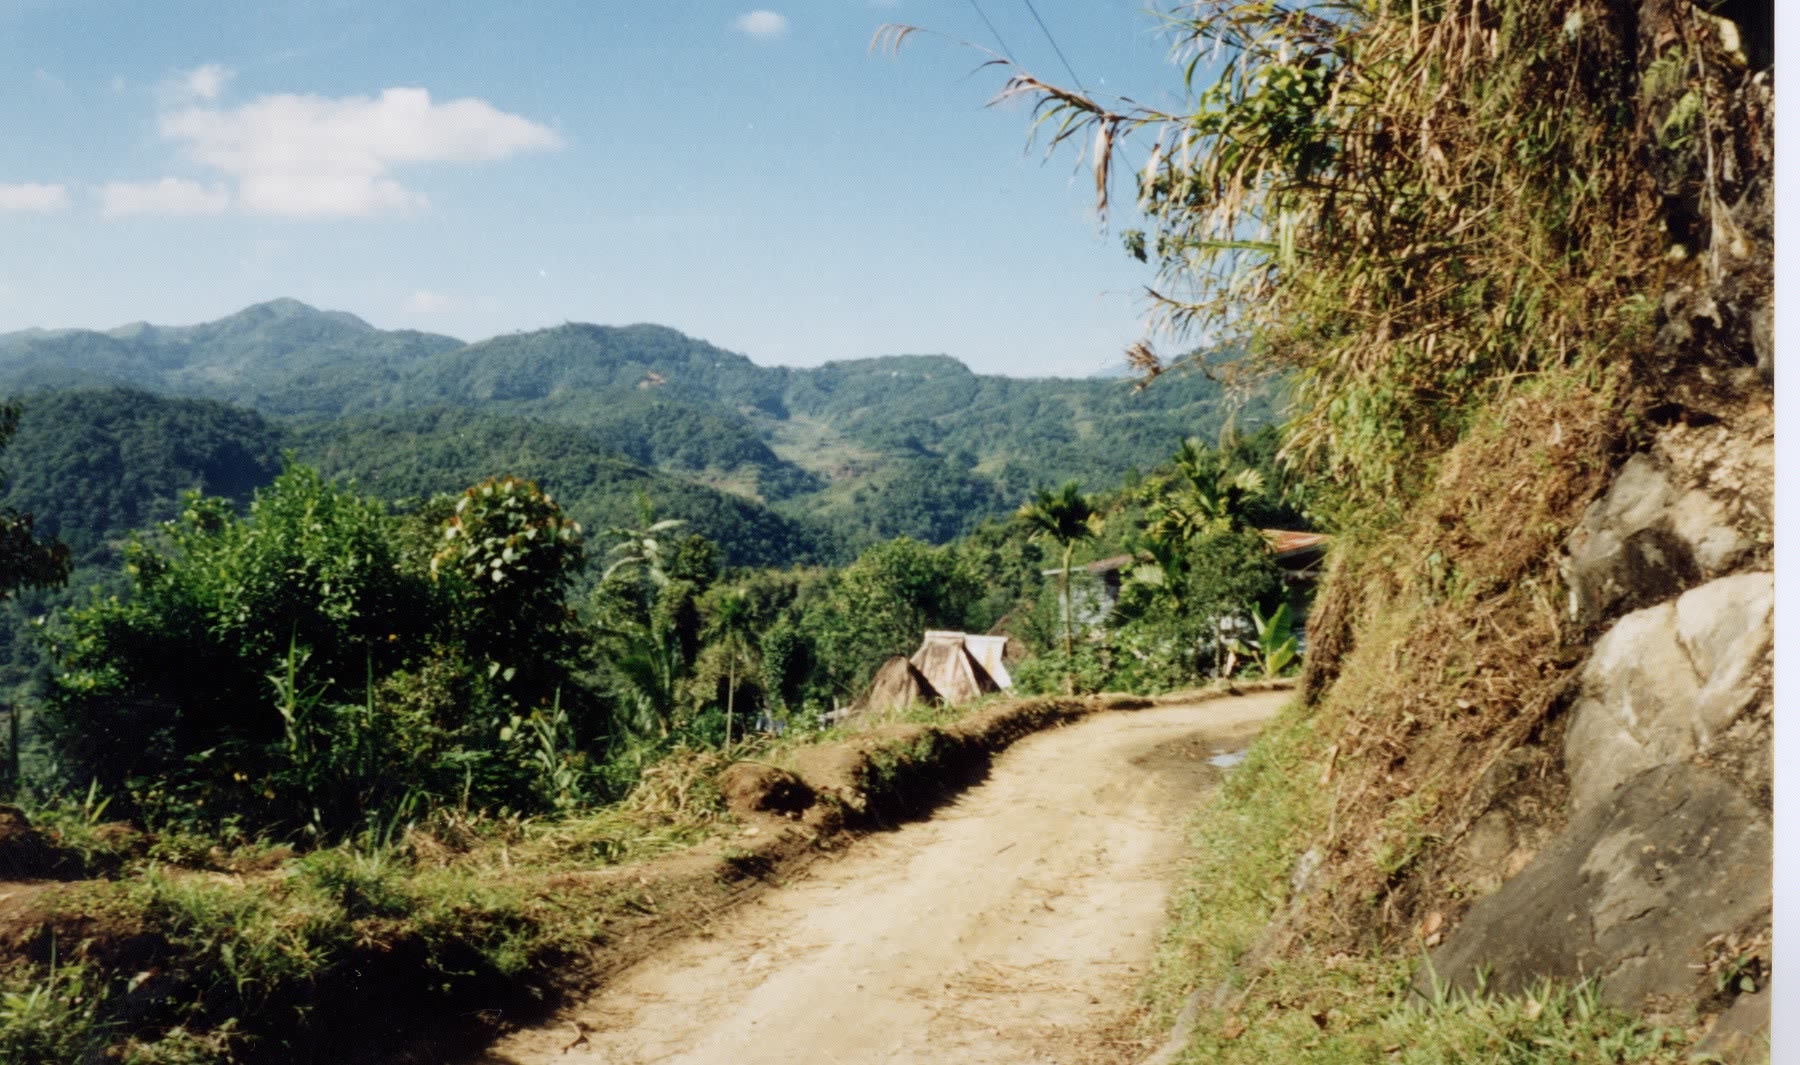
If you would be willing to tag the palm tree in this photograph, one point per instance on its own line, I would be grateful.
(732, 627)
(1169, 557)
(1067, 517)
(642, 545)
(1213, 499)
(647, 667)
(1205, 499)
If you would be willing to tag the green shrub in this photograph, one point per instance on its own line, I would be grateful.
(46, 1018)
(309, 667)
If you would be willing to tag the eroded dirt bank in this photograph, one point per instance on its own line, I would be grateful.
(1012, 927)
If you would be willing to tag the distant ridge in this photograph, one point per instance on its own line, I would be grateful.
(919, 445)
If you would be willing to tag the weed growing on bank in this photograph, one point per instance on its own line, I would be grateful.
(1266, 992)
(195, 952)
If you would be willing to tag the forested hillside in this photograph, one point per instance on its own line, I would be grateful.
(418, 454)
(909, 444)
(93, 465)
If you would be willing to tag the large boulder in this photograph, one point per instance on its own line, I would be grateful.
(1645, 541)
(1665, 683)
(1634, 892)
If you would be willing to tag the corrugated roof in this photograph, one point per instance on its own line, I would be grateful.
(1107, 565)
(1285, 542)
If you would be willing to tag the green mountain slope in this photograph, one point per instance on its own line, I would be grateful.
(571, 368)
(914, 444)
(1016, 432)
(421, 453)
(281, 357)
(91, 465)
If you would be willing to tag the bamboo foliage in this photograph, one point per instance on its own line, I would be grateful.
(1403, 207)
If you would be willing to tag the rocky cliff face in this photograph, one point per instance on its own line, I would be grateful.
(1659, 883)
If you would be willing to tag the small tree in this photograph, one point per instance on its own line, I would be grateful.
(731, 627)
(646, 544)
(1066, 517)
(880, 604)
(513, 554)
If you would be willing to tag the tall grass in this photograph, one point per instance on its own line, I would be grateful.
(1408, 208)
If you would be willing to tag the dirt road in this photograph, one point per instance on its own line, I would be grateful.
(1013, 927)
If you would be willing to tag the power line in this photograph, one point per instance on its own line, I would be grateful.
(1054, 46)
(997, 38)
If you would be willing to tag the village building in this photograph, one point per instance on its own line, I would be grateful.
(949, 667)
(1094, 588)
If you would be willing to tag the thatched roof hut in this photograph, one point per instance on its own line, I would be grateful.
(897, 684)
(945, 660)
(991, 653)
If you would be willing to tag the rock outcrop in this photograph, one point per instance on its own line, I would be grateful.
(1661, 879)
(1671, 683)
(1659, 883)
(1665, 867)
(1645, 541)
(1636, 892)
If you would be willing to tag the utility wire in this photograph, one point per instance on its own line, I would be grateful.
(1054, 46)
(997, 38)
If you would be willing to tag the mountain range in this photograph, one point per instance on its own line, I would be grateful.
(820, 459)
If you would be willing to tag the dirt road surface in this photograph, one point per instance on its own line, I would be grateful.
(1015, 926)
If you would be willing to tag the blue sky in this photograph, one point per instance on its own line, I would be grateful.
(752, 176)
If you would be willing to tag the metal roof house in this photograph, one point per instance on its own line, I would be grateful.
(1096, 586)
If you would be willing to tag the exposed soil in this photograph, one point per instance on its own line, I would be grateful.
(1014, 926)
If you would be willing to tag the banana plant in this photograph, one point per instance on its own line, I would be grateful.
(1275, 646)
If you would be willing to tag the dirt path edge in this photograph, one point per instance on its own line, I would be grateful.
(860, 784)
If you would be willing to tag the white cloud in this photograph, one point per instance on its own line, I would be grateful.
(318, 156)
(764, 24)
(425, 301)
(44, 199)
(206, 82)
(170, 196)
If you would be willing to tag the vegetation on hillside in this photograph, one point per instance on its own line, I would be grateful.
(1489, 247)
(936, 447)
(92, 465)
(417, 454)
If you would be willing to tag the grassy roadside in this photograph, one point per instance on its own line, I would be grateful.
(1242, 978)
(431, 943)
(262, 954)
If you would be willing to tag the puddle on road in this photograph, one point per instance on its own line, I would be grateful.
(1227, 759)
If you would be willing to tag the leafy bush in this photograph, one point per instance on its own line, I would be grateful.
(181, 668)
(508, 557)
(303, 667)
